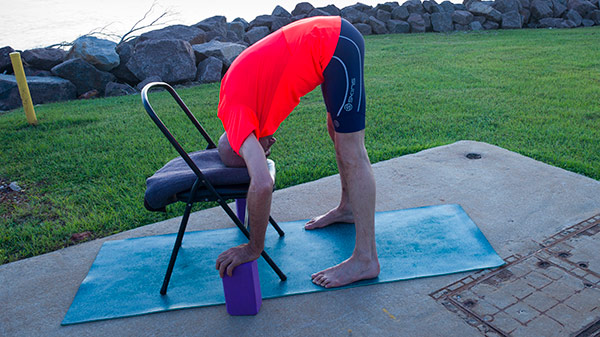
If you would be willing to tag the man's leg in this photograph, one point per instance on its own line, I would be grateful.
(355, 168)
(343, 212)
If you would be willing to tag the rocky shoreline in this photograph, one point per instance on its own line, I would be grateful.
(202, 53)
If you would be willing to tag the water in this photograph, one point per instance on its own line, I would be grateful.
(28, 24)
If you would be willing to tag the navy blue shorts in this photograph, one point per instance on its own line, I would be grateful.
(344, 86)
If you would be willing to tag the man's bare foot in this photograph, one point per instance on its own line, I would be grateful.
(352, 270)
(333, 216)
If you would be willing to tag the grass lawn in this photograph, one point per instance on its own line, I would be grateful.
(83, 168)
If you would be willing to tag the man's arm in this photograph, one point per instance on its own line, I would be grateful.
(259, 208)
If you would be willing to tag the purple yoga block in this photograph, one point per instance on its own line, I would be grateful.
(242, 290)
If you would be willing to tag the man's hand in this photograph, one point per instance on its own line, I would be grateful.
(235, 256)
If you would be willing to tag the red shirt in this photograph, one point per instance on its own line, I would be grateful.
(265, 82)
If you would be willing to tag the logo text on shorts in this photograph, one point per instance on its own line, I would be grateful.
(348, 106)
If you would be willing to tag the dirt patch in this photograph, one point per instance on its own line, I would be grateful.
(10, 197)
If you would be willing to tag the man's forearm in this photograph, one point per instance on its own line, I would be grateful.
(259, 208)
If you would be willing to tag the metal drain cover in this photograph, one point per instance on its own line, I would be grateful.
(552, 292)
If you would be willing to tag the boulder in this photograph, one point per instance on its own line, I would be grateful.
(191, 34)
(525, 3)
(121, 72)
(594, 16)
(216, 24)
(583, 7)
(414, 7)
(480, 19)
(147, 81)
(298, 17)
(460, 7)
(388, 6)
(224, 51)
(378, 26)
(243, 22)
(255, 34)
(442, 22)
(317, 12)
(236, 28)
(42, 90)
(488, 25)
(447, 6)
(540, 9)
(475, 25)
(505, 6)
(363, 28)
(462, 17)
(353, 15)
(398, 26)
(383, 16)
(417, 23)
(552, 23)
(280, 11)
(362, 7)
(575, 17)
(5, 64)
(118, 89)
(511, 20)
(209, 70)
(270, 21)
(100, 53)
(459, 27)
(83, 75)
(431, 7)
(36, 72)
(558, 9)
(172, 60)
(44, 58)
(587, 23)
(331, 10)
(400, 13)
(479, 8)
(525, 15)
(428, 25)
(302, 8)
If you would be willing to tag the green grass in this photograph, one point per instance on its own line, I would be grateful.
(84, 166)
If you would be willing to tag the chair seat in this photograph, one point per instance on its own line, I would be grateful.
(173, 181)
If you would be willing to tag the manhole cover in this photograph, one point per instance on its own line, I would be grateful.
(554, 291)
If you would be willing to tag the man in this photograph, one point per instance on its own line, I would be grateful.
(261, 88)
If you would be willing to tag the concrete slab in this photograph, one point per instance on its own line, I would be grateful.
(517, 202)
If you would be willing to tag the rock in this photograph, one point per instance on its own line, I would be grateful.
(383, 16)
(353, 15)
(280, 11)
(479, 8)
(191, 34)
(398, 26)
(83, 75)
(172, 60)
(488, 25)
(243, 22)
(236, 28)
(476, 25)
(362, 7)
(583, 7)
(417, 23)
(118, 89)
(400, 13)
(377, 25)
(447, 6)
(442, 22)
(36, 72)
(209, 70)
(100, 53)
(147, 81)
(511, 20)
(216, 24)
(525, 15)
(460, 7)
(44, 58)
(587, 23)
(388, 6)
(594, 16)
(298, 17)
(94, 93)
(302, 8)
(224, 51)
(414, 7)
(255, 34)
(459, 27)
(15, 187)
(574, 16)
(270, 21)
(331, 9)
(552, 23)
(505, 6)
(479, 18)
(540, 9)
(363, 28)
(121, 72)
(525, 3)
(42, 89)
(77, 237)
(428, 25)
(462, 17)
(558, 9)
(431, 7)
(5, 64)
(317, 12)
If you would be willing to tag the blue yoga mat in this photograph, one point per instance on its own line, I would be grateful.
(126, 276)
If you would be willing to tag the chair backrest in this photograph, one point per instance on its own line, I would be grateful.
(166, 131)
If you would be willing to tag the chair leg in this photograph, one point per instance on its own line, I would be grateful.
(276, 226)
(182, 226)
(240, 205)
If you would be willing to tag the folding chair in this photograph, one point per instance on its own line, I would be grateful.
(204, 188)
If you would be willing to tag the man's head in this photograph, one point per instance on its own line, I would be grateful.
(232, 159)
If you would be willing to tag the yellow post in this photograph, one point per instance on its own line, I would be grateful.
(15, 59)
